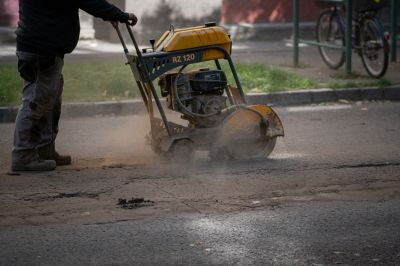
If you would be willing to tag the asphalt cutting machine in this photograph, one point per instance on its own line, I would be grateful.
(216, 115)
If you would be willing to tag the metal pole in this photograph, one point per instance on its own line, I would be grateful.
(235, 76)
(296, 33)
(393, 29)
(126, 51)
(148, 81)
(349, 26)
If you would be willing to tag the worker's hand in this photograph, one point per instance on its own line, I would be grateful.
(132, 19)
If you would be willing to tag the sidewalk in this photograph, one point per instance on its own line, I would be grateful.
(101, 48)
(278, 53)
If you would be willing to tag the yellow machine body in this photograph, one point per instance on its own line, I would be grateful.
(195, 37)
(218, 118)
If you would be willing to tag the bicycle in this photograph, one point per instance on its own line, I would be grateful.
(369, 39)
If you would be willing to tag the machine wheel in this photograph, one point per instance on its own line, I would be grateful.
(330, 32)
(155, 146)
(181, 151)
(374, 48)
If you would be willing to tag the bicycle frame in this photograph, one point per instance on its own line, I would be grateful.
(338, 14)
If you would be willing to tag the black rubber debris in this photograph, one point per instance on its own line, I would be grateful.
(13, 174)
(134, 203)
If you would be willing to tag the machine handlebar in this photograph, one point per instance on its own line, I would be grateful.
(131, 35)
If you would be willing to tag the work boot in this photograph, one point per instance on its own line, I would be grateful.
(49, 153)
(59, 159)
(36, 165)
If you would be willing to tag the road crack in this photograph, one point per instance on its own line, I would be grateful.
(367, 165)
(322, 167)
(63, 195)
(76, 195)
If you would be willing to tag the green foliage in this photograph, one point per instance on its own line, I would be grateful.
(261, 78)
(343, 84)
(10, 85)
(98, 81)
(340, 84)
(94, 81)
(383, 83)
(341, 74)
(112, 80)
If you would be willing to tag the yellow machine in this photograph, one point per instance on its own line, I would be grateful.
(218, 118)
(195, 37)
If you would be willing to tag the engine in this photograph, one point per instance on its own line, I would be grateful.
(198, 95)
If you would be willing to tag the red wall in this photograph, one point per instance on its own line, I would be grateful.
(233, 11)
(9, 12)
(264, 11)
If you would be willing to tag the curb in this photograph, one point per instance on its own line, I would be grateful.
(325, 95)
(74, 110)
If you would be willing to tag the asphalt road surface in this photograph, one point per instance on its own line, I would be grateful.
(328, 195)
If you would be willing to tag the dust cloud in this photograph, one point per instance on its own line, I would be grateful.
(127, 143)
(120, 142)
(105, 141)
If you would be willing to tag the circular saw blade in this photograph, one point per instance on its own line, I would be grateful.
(243, 135)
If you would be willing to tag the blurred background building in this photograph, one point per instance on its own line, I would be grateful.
(245, 19)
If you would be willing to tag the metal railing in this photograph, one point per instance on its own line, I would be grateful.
(348, 33)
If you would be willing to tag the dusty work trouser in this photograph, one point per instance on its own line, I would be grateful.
(36, 125)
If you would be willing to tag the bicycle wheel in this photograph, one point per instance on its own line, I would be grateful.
(330, 32)
(374, 48)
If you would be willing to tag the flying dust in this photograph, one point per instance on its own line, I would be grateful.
(120, 142)
(107, 141)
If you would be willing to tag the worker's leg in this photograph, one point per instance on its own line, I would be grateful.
(41, 76)
(47, 146)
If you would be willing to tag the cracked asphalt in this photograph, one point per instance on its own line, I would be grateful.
(329, 194)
